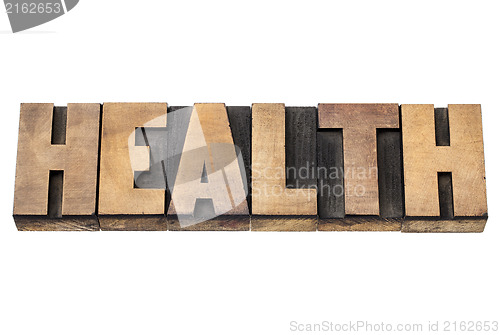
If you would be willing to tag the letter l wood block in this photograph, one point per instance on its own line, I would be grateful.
(275, 207)
(56, 174)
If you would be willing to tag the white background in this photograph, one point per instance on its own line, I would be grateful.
(299, 53)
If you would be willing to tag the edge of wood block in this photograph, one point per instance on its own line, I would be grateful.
(133, 222)
(65, 223)
(219, 223)
(436, 225)
(360, 223)
(283, 223)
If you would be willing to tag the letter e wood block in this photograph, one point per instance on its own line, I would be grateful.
(126, 148)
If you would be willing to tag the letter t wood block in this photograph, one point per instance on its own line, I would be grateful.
(360, 189)
(56, 174)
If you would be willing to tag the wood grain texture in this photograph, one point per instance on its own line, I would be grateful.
(359, 123)
(240, 121)
(424, 159)
(300, 147)
(65, 223)
(220, 223)
(270, 197)
(63, 140)
(152, 170)
(456, 225)
(284, 223)
(390, 173)
(133, 222)
(330, 175)
(118, 199)
(359, 167)
(360, 223)
(209, 170)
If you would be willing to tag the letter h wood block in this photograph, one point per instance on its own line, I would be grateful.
(444, 177)
(56, 173)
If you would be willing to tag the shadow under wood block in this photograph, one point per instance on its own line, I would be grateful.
(132, 140)
(56, 173)
(359, 167)
(211, 176)
(283, 165)
(444, 178)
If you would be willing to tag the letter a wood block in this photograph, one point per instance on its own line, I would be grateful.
(210, 190)
(444, 178)
(122, 204)
(275, 207)
(56, 174)
(368, 172)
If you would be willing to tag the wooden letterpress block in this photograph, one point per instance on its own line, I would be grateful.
(210, 190)
(276, 207)
(444, 177)
(130, 144)
(359, 167)
(56, 174)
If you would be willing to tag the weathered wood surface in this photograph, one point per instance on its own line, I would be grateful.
(265, 168)
(210, 191)
(444, 178)
(121, 205)
(56, 174)
(359, 159)
(270, 196)
(331, 203)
